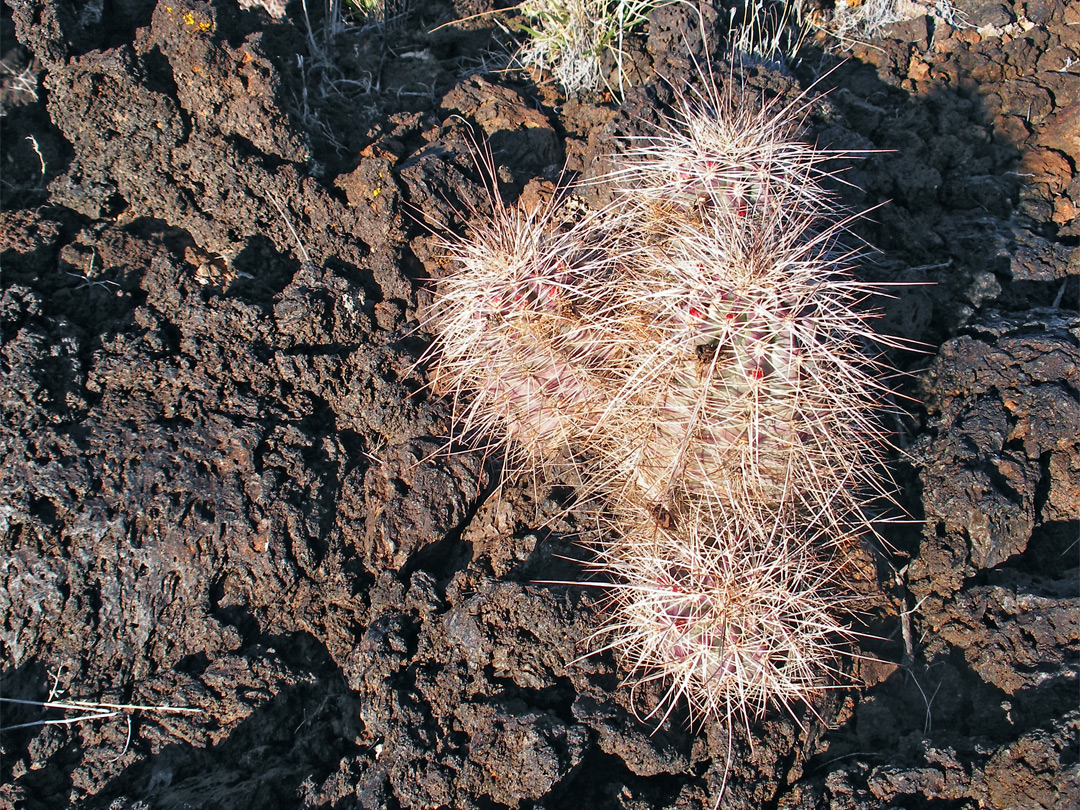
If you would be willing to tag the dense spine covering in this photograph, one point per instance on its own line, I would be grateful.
(734, 616)
(701, 350)
(753, 384)
(515, 352)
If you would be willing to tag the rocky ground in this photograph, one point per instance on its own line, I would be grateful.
(220, 485)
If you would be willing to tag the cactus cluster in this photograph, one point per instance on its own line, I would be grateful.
(700, 350)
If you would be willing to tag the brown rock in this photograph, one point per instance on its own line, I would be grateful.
(516, 130)
(1062, 131)
(1011, 129)
(1065, 211)
(1047, 166)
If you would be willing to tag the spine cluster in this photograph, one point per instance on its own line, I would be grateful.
(700, 350)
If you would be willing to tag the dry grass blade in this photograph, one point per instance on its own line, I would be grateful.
(94, 711)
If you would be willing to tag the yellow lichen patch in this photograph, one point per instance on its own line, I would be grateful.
(194, 22)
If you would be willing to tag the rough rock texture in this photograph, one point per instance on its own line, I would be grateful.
(999, 479)
(224, 486)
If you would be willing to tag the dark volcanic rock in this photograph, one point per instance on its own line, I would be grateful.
(1001, 471)
(224, 485)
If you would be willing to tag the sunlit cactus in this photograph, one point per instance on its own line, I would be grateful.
(731, 618)
(700, 355)
(752, 382)
(517, 347)
(722, 152)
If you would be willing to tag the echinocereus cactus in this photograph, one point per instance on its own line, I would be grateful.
(700, 350)
(722, 152)
(732, 618)
(515, 345)
(751, 384)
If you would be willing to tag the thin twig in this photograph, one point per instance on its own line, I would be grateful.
(67, 721)
(84, 705)
(127, 742)
(97, 711)
(289, 225)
